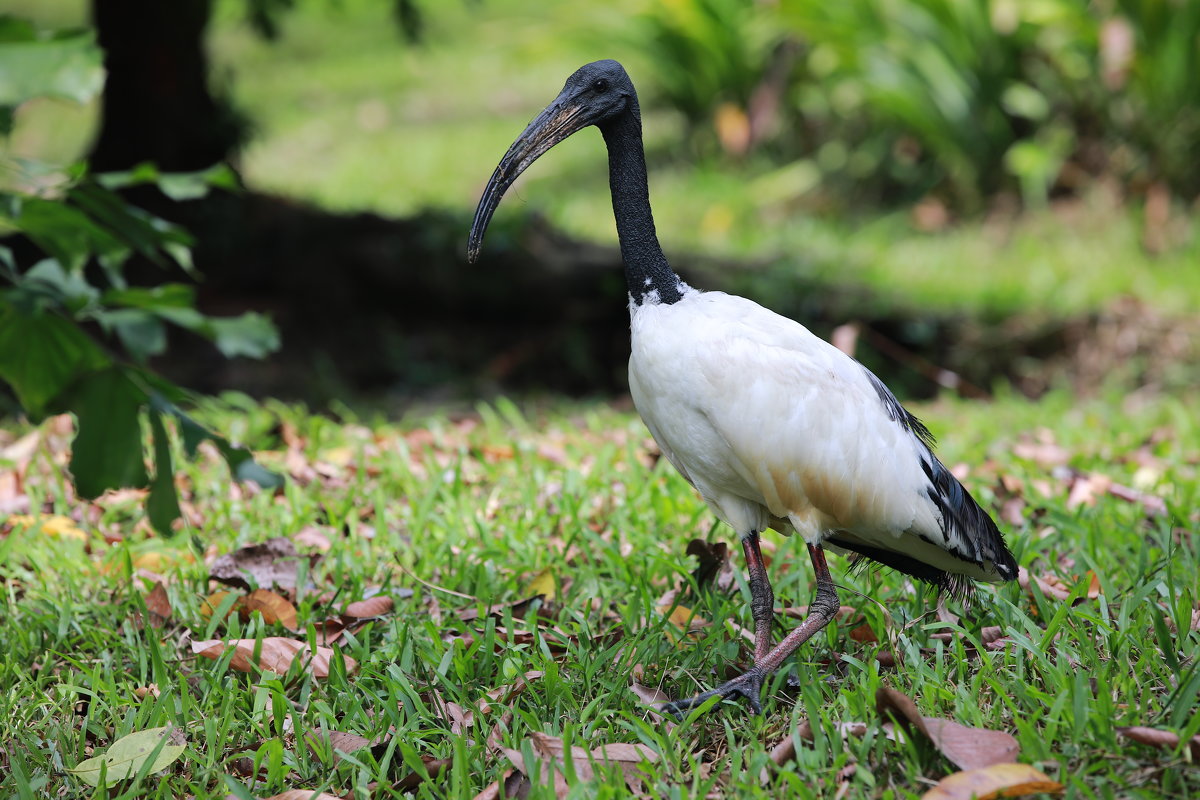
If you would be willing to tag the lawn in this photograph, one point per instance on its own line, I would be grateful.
(531, 553)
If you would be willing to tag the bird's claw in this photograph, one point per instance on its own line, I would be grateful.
(748, 685)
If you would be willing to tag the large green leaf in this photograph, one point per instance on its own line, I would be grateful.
(70, 289)
(107, 451)
(141, 752)
(63, 231)
(175, 185)
(66, 66)
(141, 332)
(42, 354)
(240, 460)
(163, 504)
(252, 335)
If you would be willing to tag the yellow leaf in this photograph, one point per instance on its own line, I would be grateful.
(988, 783)
(56, 527)
(338, 456)
(685, 619)
(541, 584)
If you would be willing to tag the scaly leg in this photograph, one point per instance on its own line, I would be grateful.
(767, 659)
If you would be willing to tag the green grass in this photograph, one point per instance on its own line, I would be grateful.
(481, 509)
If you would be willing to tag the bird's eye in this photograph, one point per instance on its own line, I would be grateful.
(600, 85)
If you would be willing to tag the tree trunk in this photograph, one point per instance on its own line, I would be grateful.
(157, 104)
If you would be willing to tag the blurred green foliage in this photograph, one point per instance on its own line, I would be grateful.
(60, 315)
(962, 97)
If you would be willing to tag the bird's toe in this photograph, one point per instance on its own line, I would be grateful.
(747, 685)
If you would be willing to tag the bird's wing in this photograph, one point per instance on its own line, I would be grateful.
(805, 430)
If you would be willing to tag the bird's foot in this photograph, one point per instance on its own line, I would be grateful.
(748, 685)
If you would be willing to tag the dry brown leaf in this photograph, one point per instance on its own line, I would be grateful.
(271, 563)
(315, 537)
(506, 693)
(1046, 454)
(303, 794)
(339, 742)
(158, 604)
(654, 698)
(863, 634)
(1167, 740)
(212, 604)
(375, 606)
(151, 690)
(988, 783)
(431, 769)
(459, 718)
(1050, 585)
(651, 696)
(512, 786)
(966, 747)
(273, 608)
(714, 565)
(551, 748)
(329, 631)
(276, 654)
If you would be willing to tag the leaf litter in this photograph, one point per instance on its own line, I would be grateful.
(274, 653)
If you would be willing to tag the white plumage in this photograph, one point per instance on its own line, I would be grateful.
(777, 428)
(773, 426)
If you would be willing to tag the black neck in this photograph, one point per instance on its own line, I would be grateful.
(647, 273)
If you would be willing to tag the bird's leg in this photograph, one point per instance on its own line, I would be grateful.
(762, 597)
(749, 684)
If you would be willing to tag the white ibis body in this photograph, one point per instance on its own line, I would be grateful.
(773, 426)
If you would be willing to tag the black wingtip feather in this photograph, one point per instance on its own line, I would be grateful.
(961, 515)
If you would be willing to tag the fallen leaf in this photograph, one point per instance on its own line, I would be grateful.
(56, 526)
(266, 565)
(275, 654)
(654, 698)
(375, 606)
(863, 634)
(142, 692)
(314, 537)
(1051, 585)
(273, 608)
(1046, 454)
(684, 618)
(551, 748)
(303, 794)
(512, 786)
(129, 754)
(158, 604)
(505, 694)
(714, 566)
(431, 769)
(1167, 740)
(988, 783)
(212, 604)
(339, 743)
(966, 747)
(542, 584)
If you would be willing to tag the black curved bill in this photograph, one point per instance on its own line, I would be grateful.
(559, 120)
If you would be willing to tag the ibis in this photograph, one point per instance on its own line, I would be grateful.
(773, 426)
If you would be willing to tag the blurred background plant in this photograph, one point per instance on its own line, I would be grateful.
(1030, 162)
(64, 316)
(894, 99)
